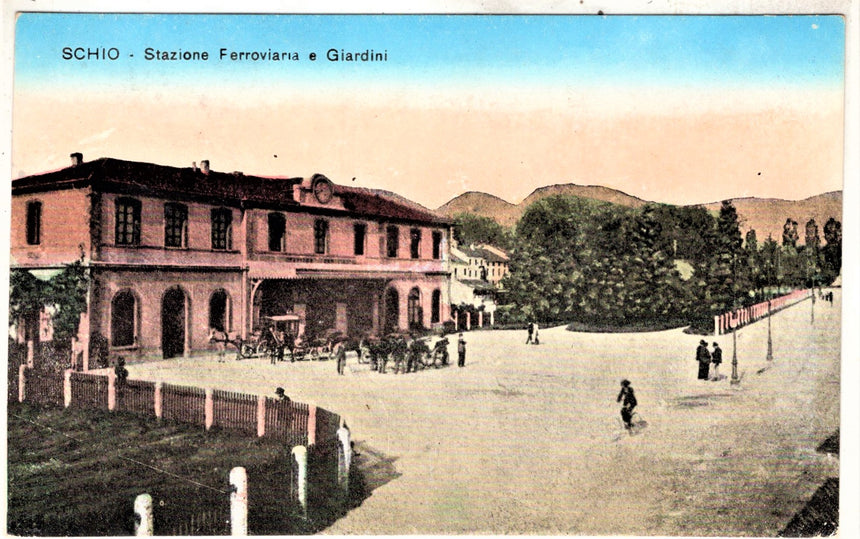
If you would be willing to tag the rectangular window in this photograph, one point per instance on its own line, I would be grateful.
(175, 225)
(437, 245)
(392, 241)
(222, 221)
(415, 243)
(127, 229)
(277, 232)
(34, 223)
(360, 231)
(320, 236)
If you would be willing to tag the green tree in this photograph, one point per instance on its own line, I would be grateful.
(832, 250)
(470, 228)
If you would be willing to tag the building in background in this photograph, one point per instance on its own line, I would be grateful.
(476, 275)
(174, 252)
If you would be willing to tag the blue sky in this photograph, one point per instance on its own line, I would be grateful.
(441, 49)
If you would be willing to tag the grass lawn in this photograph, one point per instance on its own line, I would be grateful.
(77, 472)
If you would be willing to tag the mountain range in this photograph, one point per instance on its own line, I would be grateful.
(764, 215)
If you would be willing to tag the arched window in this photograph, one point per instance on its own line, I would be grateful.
(436, 307)
(123, 319)
(413, 308)
(219, 311)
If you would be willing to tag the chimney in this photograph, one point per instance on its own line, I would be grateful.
(204, 166)
(77, 158)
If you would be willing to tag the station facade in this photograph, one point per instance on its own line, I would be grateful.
(175, 252)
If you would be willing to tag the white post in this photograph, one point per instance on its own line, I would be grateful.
(209, 409)
(22, 382)
(312, 424)
(261, 415)
(143, 516)
(468, 320)
(238, 502)
(67, 388)
(158, 398)
(343, 465)
(492, 318)
(480, 319)
(717, 325)
(300, 455)
(111, 376)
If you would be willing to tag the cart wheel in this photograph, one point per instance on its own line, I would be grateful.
(246, 351)
(262, 349)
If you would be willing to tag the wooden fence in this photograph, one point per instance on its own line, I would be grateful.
(89, 390)
(294, 423)
(287, 421)
(136, 396)
(235, 411)
(44, 387)
(184, 404)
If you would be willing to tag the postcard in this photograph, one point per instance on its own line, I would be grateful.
(543, 271)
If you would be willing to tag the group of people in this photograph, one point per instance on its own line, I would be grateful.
(706, 358)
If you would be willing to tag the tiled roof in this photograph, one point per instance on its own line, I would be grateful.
(486, 254)
(148, 179)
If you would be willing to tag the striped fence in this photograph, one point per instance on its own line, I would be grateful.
(739, 318)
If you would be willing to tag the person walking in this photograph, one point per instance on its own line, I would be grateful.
(531, 329)
(341, 358)
(461, 351)
(716, 359)
(628, 402)
(704, 359)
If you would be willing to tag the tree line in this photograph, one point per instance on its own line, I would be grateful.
(605, 265)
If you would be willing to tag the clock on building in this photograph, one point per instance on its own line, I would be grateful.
(323, 189)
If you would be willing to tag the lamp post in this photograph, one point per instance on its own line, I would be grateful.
(769, 340)
(735, 379)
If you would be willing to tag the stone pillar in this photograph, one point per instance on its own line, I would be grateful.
(238, 502)
(456, 321)
(312, 424)
(22, 383)
(717, 325)
(261, 415)
(480, 319)
(143, 516)
(343, 464)
(468, 320)
(111, 391)
(340, 319)
(30, 354)
(300, 456)
(67, 388)
(492, 318)
(159, 400)
(374, 313)
(209, 409)
(301, 310)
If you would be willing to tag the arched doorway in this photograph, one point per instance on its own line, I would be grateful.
(436, 307)
(219, 311)
(414, 310)
(123, 319)
(392, 311)
(173, 323)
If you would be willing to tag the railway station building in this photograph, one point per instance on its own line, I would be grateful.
(174, 252)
